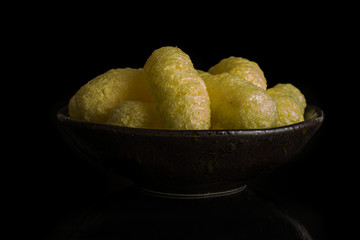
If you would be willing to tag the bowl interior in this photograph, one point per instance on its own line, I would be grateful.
(191, 161)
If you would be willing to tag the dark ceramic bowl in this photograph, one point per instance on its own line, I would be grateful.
(191, 161)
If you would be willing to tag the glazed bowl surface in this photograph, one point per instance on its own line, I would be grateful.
(188, 161)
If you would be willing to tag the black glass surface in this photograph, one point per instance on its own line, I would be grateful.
(136, 214)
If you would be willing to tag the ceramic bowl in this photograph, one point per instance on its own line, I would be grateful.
(191, 161)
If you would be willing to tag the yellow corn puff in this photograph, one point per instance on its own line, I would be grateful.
(291, 103)
(239, 104)
(136, 114)
(242, 67)
(291, 91)
(180, 92)
(94, 101)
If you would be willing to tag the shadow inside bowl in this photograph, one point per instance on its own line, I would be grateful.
(179, 162)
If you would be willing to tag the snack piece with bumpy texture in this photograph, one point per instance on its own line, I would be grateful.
(178, 89)
(291, 103)
(136, 114)
(291, 91)
(239, 104)
(94, 101)
(242, 67)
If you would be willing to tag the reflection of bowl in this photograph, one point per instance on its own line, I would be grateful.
(191, 161)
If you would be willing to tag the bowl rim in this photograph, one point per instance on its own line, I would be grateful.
(63, 116)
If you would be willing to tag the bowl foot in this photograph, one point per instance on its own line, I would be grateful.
(193, 195)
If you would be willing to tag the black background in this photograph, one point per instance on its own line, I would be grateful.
(61, 52)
